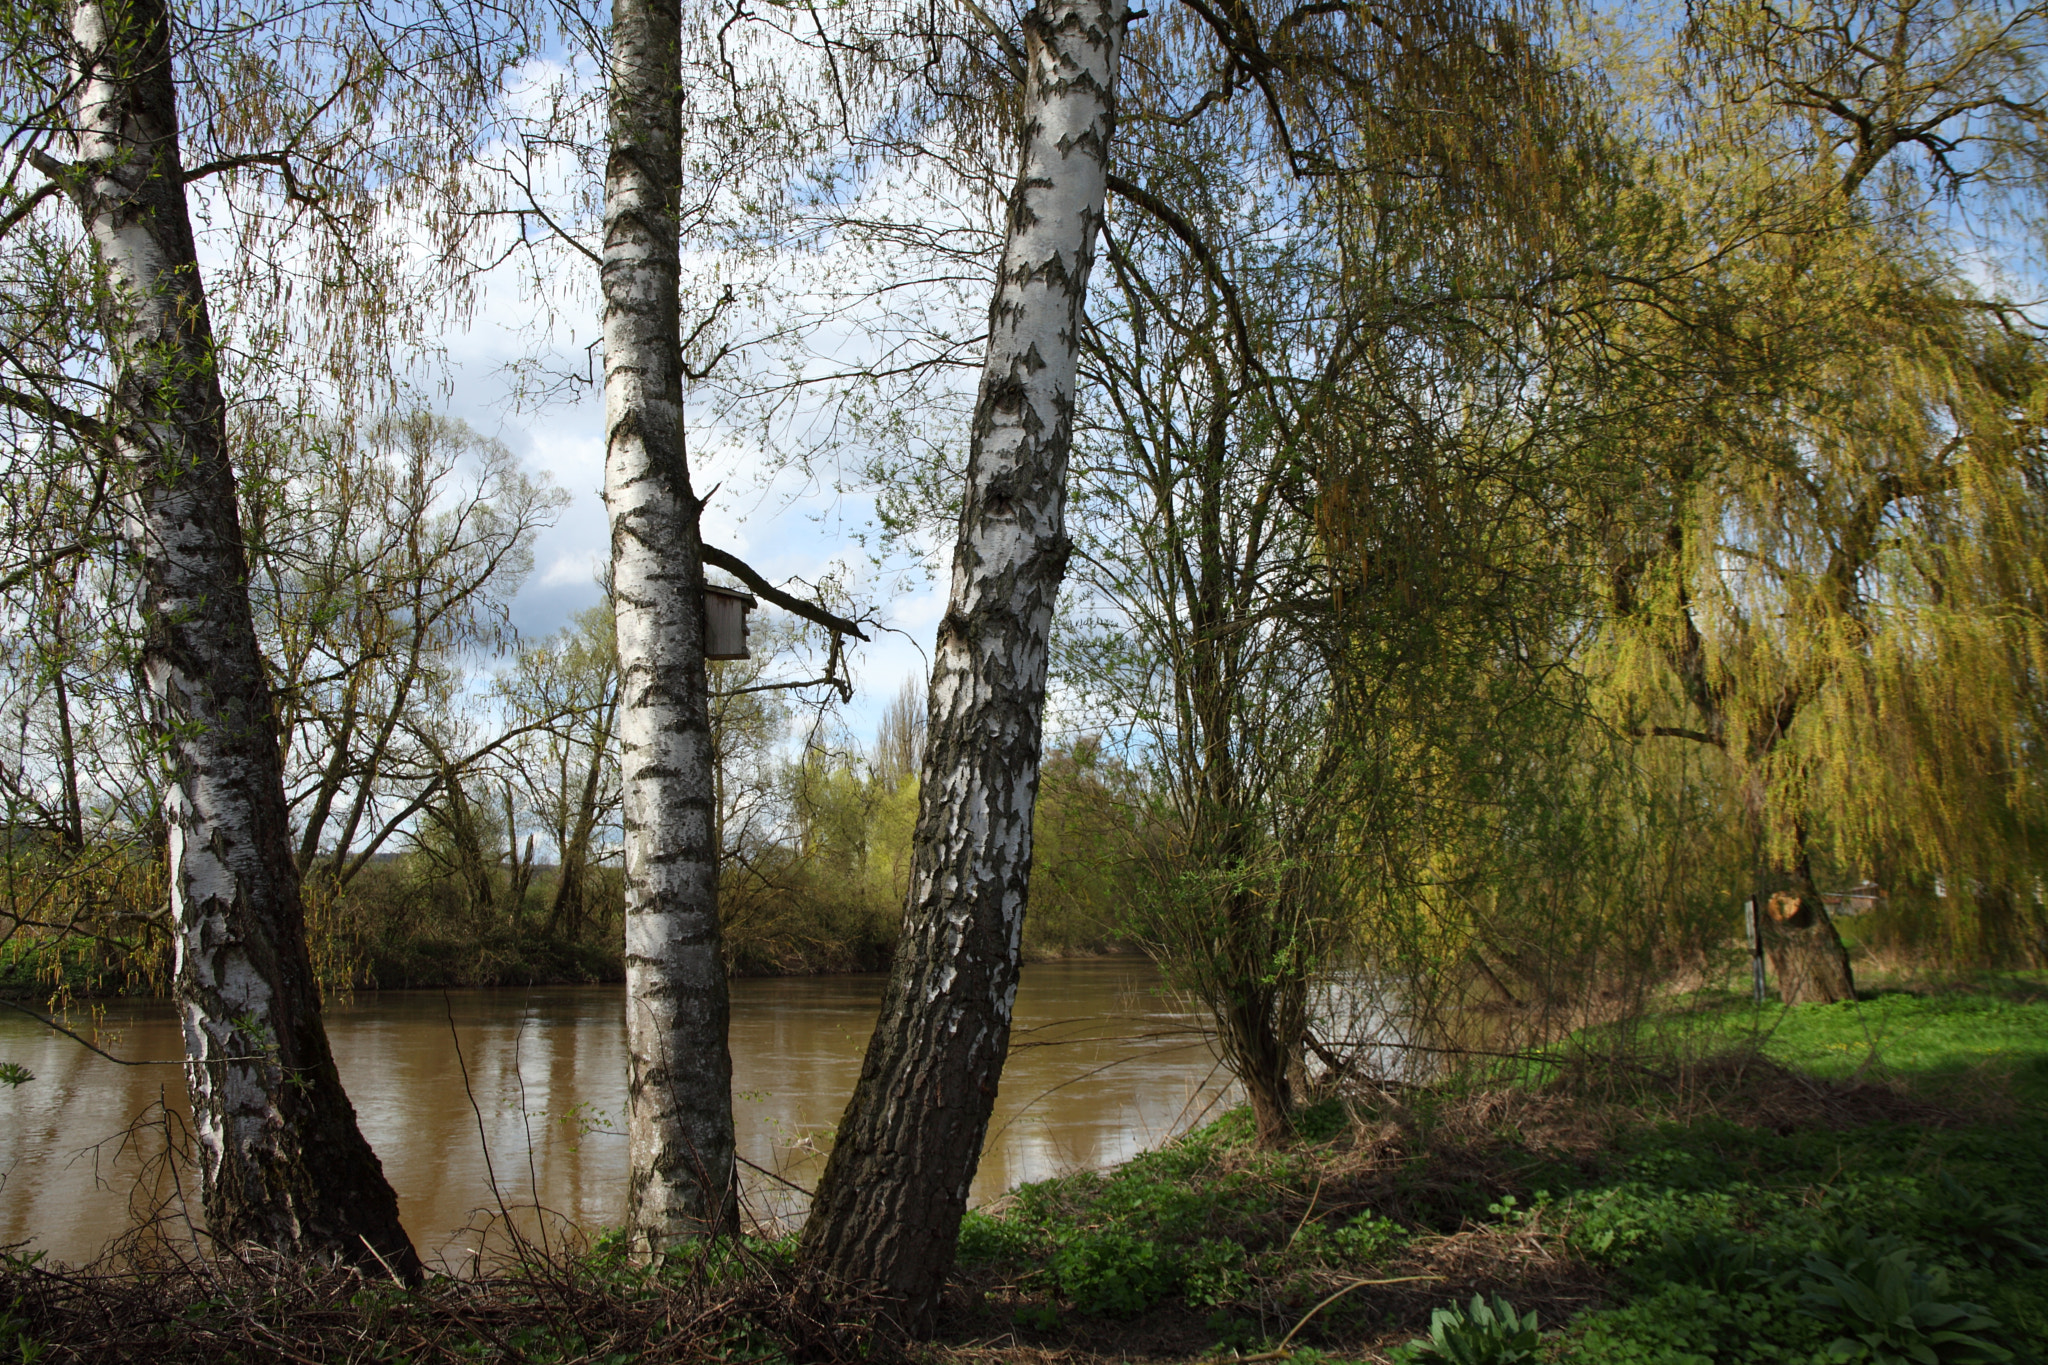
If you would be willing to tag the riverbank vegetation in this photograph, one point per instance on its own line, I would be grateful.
(1725, 1182)
(1497, 609)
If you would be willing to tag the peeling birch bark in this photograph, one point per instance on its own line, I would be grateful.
(282, 1162)
(679, 1073)
(886, 1220)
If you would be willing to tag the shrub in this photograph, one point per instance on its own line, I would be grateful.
(985, 1240)
(1214, 1273)
(1367, 1237)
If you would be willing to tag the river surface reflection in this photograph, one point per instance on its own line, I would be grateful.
(1102, 1066)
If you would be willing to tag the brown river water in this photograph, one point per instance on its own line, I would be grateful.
(1102, 1066)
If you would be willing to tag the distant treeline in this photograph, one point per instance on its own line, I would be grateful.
(824, 895)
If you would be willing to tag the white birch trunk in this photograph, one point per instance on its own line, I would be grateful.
(283, 1164)
(679, 1078)
(887, 1216)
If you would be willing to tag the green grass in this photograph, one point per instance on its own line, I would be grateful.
(1930, 1039)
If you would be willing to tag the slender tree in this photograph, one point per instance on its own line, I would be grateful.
(679, 1076)
(283, 1164)
(887, 1215)
(567, 766)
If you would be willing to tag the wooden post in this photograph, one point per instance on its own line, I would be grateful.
(1756, 946)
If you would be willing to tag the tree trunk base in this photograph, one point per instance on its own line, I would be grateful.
(1272, 1104)
(1806, 953)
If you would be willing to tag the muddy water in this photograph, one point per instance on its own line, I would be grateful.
(523, 1091)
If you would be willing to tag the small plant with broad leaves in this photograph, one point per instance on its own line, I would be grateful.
(1999, 1233)
(1480, 1333)
(1214, 1273)
(14, 1073)
(1113, 1273)
(1887, 1311)
(1367, 1237)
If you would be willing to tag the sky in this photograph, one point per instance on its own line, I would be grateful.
(786, 530)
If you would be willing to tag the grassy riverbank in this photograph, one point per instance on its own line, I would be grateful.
(1726, 1183)
(1741, 1184)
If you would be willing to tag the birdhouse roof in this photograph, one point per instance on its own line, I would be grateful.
(740, 594)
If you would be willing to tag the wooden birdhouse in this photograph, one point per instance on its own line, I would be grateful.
(725, 622)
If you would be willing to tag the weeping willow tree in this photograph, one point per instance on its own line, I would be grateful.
(1802, 580)
(1825, 573)
(1928, 751)
(1501, 848)
(1507, 605)
(1688, 557)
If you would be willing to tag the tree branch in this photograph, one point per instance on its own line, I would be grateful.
(50, 410)
(1172, 220)
(91, 1046)
(27, 206)
(1680, 732)
(796, 606)
(61, 174)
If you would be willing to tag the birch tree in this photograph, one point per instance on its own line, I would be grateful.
(283, 1163)
(679, 1072)
(887, 1215)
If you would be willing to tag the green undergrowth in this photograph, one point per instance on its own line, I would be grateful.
(1882, 1242)
(1930, 1036)
(1201, 1219)
(1762, 1200)
(1937, 1038)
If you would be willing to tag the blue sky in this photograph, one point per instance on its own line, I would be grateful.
(779, 524)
